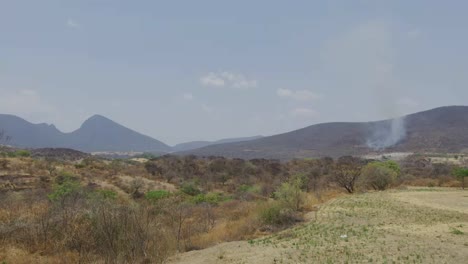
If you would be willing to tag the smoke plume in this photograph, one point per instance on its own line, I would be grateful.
(386, 134)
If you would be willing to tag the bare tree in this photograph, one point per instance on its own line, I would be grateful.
(346, 172)
(179, 212)
(135, 187)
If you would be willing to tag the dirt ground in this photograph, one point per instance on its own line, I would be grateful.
(425, 225)
(444, 198)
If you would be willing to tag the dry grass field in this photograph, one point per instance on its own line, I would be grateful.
(417, 225)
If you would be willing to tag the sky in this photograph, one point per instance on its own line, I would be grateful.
(209, 69)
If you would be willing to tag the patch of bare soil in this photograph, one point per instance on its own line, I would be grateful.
(231, 252)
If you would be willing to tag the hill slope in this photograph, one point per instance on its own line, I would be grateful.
(200, 144)
(96, 134)
(443, 129)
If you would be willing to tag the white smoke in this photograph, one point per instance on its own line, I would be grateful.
(365, 57)
(386, 134)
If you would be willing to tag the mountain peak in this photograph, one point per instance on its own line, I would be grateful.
(97, 117)
(97, 133)
(97, 120)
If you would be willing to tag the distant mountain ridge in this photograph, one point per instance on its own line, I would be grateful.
(200, 144)
(98, 133)
(443, 129)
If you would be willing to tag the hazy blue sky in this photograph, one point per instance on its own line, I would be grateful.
(190, 70)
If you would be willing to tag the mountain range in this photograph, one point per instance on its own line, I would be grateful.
(443, 129)
(200, 144)
(97, 134)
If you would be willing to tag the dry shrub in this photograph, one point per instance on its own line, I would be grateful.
(426, 182)
(4, 164)
(452, 183)
(235, 209)
(17, 255)
(239, 226)
(310, 201)
(443, 180)
(240, 220)
(22, 221)
(242, 228)
(125, 230)
(275, 215)
(85, 230)
(128, 234)
(267, 189)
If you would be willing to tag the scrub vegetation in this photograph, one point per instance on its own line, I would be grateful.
(57, 210)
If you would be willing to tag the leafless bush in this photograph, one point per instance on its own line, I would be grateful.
(4, 164)
(346, 172)
(128, 234)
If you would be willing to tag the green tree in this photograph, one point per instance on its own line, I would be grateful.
(20, 153)
(275, 214)
(66, 185)
(290, 193)
(190, 188)
(461, 173)
(379, 175)
(67, 196)
(106, 194)
(392, 165)
(156, 195)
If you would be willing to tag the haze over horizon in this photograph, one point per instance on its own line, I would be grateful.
(208, 70)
